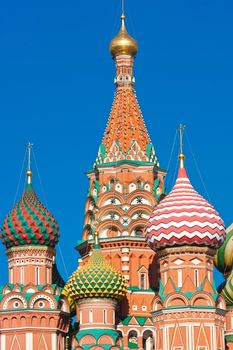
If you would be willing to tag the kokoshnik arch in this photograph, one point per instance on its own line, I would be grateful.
(145, 276)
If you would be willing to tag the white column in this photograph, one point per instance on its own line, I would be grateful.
(214, 337)
(54, 341)
(164, 338)
(149, 343)
(29, 341)
(3, 342)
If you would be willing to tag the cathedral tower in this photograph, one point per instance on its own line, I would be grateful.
(33, 314)
(125, 185)
(96, 287)
(185, 231)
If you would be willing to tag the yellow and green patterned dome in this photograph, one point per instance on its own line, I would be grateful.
(223, 259)
(96, 279)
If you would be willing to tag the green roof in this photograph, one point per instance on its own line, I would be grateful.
(141, 320)
(229, 338)
(97, 333)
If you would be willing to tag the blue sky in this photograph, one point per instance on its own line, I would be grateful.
(56, 90)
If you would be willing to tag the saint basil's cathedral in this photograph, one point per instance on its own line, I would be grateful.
(145, 276)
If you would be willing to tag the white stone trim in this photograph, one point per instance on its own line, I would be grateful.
(29, 341)
(3, 341)
(54, 341)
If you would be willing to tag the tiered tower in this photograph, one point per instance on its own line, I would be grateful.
(125, 185)
(96, 287)
(185, 231)
(33, 314)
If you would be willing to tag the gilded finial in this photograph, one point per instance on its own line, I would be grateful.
(96, 240)
(123, 43)
(181, 154)
(123, 8)
(67, 343)
(29, 172)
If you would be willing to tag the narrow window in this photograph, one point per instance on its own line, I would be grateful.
(11, 275)
(143, 281)
(91, 316)
(22, 275)
(179, 278)
(196, 278)
(37, 275)
(165, 278)
(209, 276)
(81, 317)
(47, 273)
(105, 316)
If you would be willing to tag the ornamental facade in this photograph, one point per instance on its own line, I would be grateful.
(145, 276)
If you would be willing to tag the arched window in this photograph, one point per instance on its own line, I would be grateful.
(133, 339)
(111, 184)
(143, 280)
(138, 232)
(148, 343)
(139, 184)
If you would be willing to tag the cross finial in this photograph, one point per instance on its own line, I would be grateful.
(181, 154)
(96, 240)
(29, 172)
(123, 8)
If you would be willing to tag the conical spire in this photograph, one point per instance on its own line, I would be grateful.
(126, 137)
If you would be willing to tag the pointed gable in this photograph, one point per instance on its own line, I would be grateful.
(169, 287)
(188, 285)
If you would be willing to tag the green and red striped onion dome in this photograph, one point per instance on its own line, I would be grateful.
(227, 290)
(223, 260)
(29, 223)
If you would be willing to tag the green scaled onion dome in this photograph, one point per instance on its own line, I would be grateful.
(223, 259)
(96, 279)
(29, 222)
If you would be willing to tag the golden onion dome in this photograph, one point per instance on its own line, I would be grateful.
(123, 43)
(96, 279)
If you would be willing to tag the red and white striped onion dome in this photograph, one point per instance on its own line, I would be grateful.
(184, 217)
